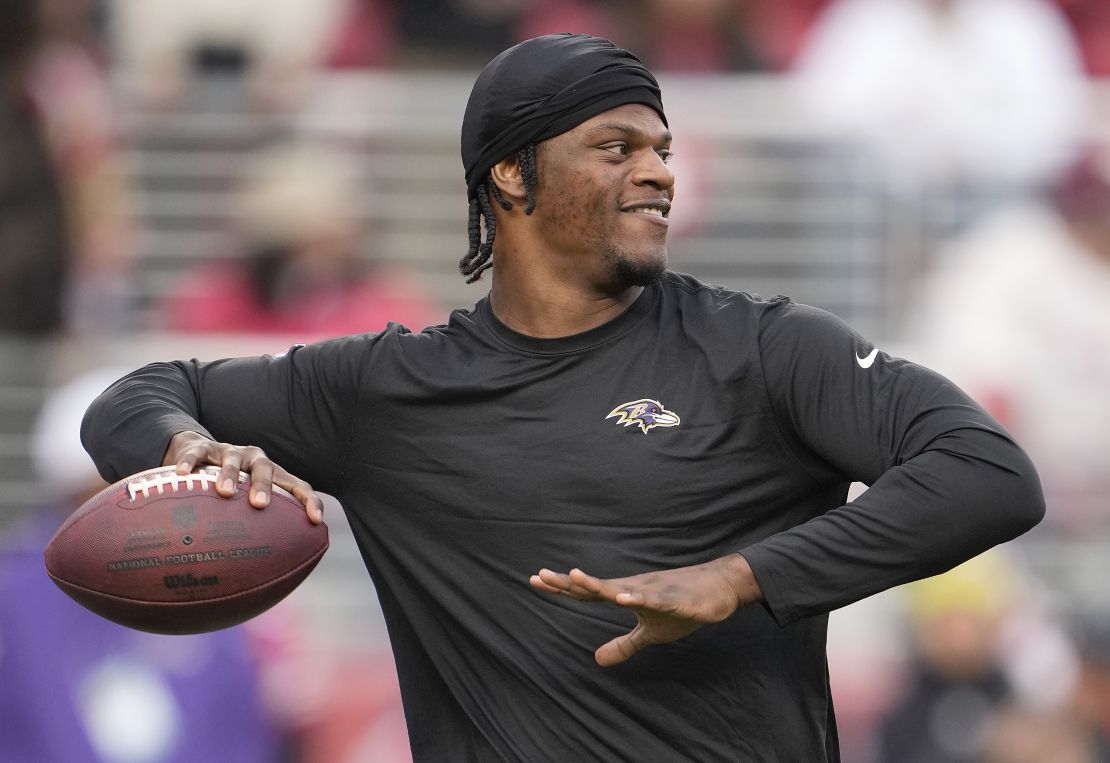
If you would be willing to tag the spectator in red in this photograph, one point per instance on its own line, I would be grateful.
(1091, 21)
(690, 36)
(778, 29)
(298, 222)
(364, 35)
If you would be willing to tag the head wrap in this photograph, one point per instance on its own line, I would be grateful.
(543, 87)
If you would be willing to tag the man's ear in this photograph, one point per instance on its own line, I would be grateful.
(507, 176)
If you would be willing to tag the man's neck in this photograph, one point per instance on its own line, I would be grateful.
(552, 312)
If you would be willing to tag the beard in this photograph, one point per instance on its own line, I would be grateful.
(626, 271)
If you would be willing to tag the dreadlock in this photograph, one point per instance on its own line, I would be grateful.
(479, 253)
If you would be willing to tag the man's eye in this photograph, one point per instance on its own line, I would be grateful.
(617, 148)
(666, 155)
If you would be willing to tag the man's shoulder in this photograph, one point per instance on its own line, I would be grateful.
(396, 343)
(461, 321)
(765, 319)
(687, 289)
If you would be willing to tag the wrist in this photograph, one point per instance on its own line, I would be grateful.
(741, 579)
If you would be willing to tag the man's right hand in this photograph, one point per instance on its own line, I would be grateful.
(188, 450)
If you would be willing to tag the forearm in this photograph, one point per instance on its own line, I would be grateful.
(296, 407)
(128, 428)
(919, 519)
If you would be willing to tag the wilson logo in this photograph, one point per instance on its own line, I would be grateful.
(189, 581)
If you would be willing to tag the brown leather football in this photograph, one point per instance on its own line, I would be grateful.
(166, 553)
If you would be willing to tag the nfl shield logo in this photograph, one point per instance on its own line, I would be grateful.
(185, 516)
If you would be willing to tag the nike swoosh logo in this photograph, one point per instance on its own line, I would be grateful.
(866, 362)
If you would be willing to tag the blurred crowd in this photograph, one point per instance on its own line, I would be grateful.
(673, 35)
(983, 105)
(979, 98)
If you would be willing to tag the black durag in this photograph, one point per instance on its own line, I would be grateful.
(543, 87)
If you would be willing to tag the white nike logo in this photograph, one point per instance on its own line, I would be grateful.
(866, 362)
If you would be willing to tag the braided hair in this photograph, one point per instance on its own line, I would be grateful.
(479, 253)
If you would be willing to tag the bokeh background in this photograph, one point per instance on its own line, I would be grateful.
(224, 177)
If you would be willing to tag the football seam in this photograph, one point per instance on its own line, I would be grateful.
(144, 602)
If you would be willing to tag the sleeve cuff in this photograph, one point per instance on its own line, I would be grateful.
(774, 600)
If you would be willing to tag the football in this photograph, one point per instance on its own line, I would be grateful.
(165, 553)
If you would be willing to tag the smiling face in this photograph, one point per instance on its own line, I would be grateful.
(604, 196)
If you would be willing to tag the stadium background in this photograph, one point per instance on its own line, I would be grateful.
(897, 162)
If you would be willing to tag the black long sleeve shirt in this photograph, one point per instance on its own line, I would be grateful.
(700, 422)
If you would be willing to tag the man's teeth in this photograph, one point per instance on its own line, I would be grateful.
(648, 210)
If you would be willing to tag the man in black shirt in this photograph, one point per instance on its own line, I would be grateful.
(688, 446)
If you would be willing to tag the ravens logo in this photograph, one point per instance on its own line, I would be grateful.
(645, 414)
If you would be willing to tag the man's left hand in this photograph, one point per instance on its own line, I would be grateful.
(669, 604)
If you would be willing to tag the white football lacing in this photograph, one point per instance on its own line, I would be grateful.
(162, 479)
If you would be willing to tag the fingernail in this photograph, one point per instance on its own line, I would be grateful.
(228, 485)
(260, 496)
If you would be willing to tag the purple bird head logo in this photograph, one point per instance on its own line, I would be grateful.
(646, 414)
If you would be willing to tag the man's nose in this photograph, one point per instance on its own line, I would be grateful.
(652, 170)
